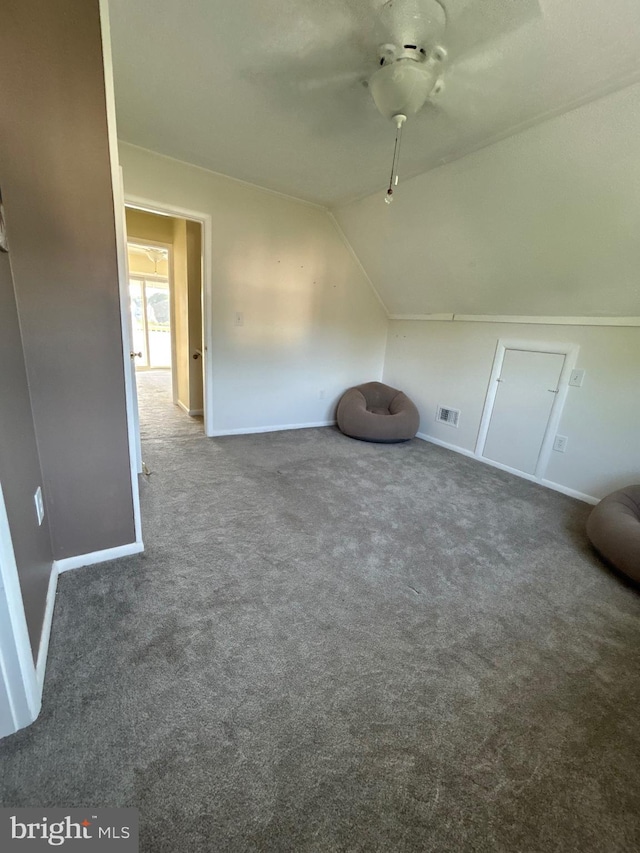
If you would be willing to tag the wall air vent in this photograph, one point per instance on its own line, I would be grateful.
(447, 415)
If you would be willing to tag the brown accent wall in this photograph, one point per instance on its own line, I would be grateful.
(56, 186)
(20, 472)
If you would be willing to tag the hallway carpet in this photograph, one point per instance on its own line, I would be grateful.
(337, 646)
(159, 418)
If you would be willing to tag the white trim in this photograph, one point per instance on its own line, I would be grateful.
(507, 318)
(570, 352)
(207, 289)
(423, 436)
(17, 659)
(150, 277)
(45, 635)
(548, 321)
(295, 198)
(69, 563)
(572, 493)
(355, 257)
(277, 428)
(438, 317)
(121, 249)
(548, 484)
(191, 412)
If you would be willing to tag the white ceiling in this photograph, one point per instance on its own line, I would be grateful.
(544, 223)
(271, 91)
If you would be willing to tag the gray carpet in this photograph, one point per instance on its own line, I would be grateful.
(159, 418)
(337, 646)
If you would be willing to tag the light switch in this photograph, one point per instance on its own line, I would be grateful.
(239, 318)
(577, 378)
(560, 444)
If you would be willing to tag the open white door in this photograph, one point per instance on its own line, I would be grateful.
(133, 430)
(19, 694)
(125, 302)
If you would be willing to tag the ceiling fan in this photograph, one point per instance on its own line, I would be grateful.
(410, 54)
(411, 65)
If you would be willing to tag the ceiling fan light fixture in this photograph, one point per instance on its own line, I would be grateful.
(402, 87)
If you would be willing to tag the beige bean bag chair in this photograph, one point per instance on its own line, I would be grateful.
(614, 530)
(377, 412)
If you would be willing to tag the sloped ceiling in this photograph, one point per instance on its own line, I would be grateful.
(271, 91)
(542, 223)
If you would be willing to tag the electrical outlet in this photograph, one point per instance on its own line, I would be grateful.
(238, 319)
(321, 393)
(560, 444)
(37, 498)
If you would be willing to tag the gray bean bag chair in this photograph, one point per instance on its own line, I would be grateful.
(377, 412)
(614, 530)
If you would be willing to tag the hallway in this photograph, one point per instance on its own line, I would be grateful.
(160, 418)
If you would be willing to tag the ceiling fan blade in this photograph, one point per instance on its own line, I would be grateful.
(472, 24)
(338, 80)
(485, 83)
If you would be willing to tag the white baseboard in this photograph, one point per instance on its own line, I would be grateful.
(65, 566)
(446, 445)
(191, 412)
(250, 430)
(549, 484)
(45, 635)
(572, 493)
(69, 563)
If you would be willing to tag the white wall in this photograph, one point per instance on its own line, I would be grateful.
(449, 363)
(542, 223)
(311, 320)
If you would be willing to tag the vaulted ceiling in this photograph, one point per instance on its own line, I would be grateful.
(273, 91)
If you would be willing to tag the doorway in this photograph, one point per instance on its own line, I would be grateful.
(524, 404)
(165, 259)
(138, 203)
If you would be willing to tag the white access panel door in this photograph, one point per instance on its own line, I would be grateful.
(527, 388)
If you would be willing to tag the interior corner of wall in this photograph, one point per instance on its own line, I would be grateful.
(358, 262)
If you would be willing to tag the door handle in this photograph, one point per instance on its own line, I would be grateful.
(135, 354)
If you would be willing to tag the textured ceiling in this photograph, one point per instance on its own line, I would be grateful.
(271, 91)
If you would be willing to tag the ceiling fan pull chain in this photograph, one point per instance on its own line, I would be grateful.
(393, 181)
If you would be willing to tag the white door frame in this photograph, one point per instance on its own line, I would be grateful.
(133, 432)
(17, 668)
(151, 206)
(570, 351)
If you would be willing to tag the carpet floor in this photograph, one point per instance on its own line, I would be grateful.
(337, 646)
